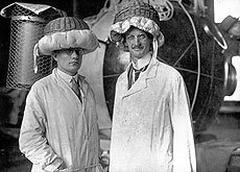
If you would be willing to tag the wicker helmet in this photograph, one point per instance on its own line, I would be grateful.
(64, 33)
(138, 14)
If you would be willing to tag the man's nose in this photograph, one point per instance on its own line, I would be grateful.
(74, 54)
(136, 41)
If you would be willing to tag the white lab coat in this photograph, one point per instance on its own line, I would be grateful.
(152, 129)
(57, 125)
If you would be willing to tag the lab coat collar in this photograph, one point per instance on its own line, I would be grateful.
(61, 81)
(142, 62)
(141, 83)
(67, 78)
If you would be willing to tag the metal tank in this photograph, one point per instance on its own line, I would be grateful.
(27, 25)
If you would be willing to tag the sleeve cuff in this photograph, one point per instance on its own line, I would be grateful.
(54, 165)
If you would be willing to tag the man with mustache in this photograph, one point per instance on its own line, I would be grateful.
(152, 128)
(59, 130)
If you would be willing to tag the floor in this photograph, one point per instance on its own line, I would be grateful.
(214, 147)
(11, 159)
(217, 144)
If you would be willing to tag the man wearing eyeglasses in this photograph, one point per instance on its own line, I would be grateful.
(59, 131)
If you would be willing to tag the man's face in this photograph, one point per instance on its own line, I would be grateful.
(138, 43)
(68, 60)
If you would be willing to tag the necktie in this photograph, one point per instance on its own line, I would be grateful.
(75, 88)
(137, 73)
(133, 75)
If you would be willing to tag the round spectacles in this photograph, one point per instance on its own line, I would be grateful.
(69, 51)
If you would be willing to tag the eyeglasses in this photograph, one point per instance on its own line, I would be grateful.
(69, 51)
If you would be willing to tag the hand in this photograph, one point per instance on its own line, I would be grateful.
(105, 159)
(66, 170)
(61, 167)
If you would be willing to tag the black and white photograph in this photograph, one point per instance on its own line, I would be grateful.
(120, 86)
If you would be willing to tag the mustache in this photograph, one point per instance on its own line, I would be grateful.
(75, 60)
(137, 46)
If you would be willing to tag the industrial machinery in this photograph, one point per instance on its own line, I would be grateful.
(194, 45)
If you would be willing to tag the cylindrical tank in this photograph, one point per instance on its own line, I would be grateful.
(27, 25)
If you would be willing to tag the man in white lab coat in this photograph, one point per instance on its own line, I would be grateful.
(59, 130)
(152, 128)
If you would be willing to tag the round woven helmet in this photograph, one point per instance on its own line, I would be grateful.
(136, 8)
(137, 14)
(65, 33)
(64, 24)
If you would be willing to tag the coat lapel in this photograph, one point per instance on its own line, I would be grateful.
(141, 83)
(63, 85)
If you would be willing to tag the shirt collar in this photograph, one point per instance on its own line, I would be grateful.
(65, 76)
(142, 62)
